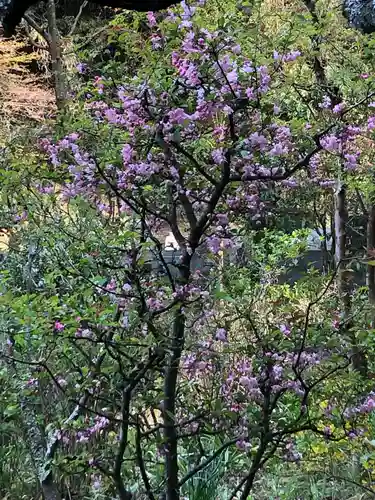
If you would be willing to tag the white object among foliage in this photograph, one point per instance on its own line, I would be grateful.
(171, 243)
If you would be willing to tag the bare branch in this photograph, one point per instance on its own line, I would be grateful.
(37, 28)
(76, 20)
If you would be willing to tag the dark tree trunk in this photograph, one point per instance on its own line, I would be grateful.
(344, 278)
(170, 394)
(370, 278)
(56, 58)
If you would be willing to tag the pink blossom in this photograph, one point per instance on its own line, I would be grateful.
(156, 41)
(32, 383)
(336, 324)
(59, 327)
(111, 286)
(151, 19)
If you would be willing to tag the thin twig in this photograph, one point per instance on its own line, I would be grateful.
(71, 32)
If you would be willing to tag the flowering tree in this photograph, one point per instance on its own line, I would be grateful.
(169, 368)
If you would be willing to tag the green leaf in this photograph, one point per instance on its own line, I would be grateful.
(222, 295)
(11, 410)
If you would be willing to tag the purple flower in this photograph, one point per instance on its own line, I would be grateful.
(243, 445)
(248, 382)
(153, 304)
(248, 67)
(221, 334)
(331, 143)
(351, 161)
(277, 372)
(218, 156)
(222, 219)
(250, 93)
(339, 108)
(232, 76)
(258, 140)
(81, 68)
(278, 150)
(371, 123)
(151, 19)
(368, 406)
(285, 330)
(214, 244)
(326, 103)
(97, 482)
(291, 56)
(127, 154)
(178, 116)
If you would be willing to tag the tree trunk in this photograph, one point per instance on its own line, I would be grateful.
(169, 408)
(38, 452)
(343, 277)
(370, 276)
(56, 59)
(170, 394)
(341, 217)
